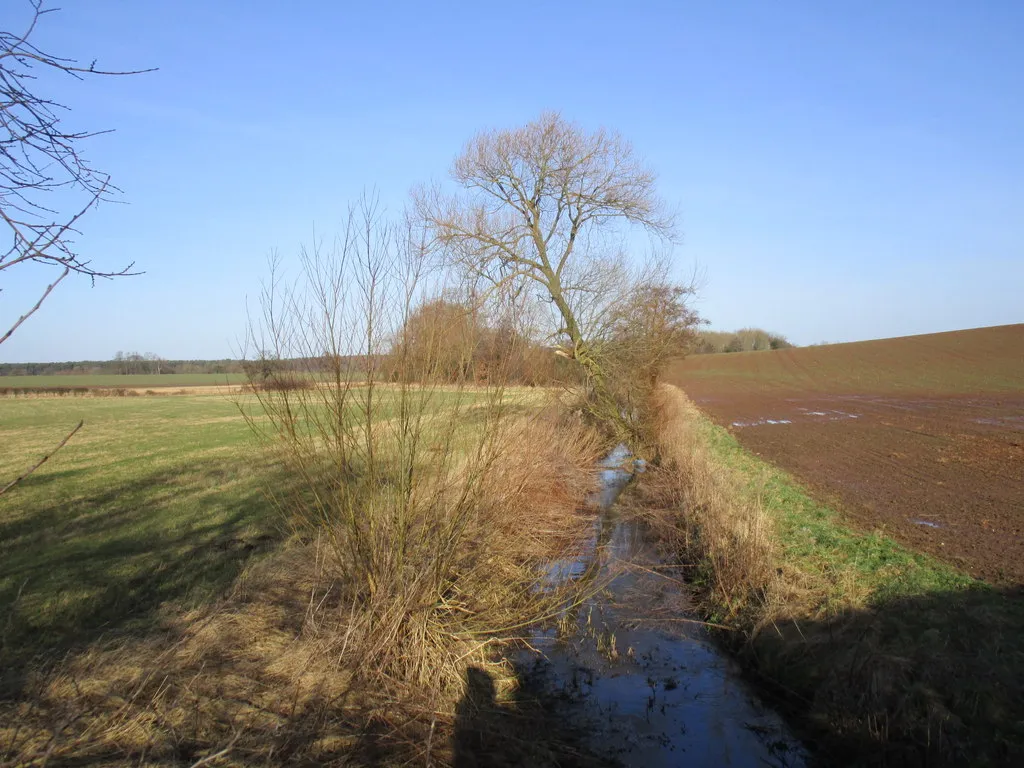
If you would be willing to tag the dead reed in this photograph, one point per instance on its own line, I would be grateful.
(713, 515)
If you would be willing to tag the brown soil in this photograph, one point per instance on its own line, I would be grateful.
(941, 471)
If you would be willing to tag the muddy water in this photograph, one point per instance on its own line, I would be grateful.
(632, 670)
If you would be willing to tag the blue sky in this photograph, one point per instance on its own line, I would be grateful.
(843, 170)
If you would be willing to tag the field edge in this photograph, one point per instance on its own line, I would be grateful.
(881, 655)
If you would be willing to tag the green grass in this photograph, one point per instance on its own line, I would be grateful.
(155, 499)
(815, 539)
(136, 381)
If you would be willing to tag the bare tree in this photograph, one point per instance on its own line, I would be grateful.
(547, 205)
(40, 156)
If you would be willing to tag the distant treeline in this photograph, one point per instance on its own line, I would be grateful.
(743, 340)
(441, 336)
(125, 365)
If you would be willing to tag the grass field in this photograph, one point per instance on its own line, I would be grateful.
(156, 603)
(131, 381)
(155, 499)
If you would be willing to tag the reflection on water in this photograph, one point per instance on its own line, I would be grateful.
(635, 672)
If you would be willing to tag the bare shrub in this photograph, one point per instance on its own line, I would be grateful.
(408, 472)
(651, 325)
(743, 340)
(37, 391)
(422, 515)
(438, 340)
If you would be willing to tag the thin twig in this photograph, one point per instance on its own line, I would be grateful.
(684, 620)
(430, 738)
(216, 755)
(639, 567)
(32, 311)
(42, 461)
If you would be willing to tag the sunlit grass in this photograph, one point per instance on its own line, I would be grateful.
(154, 499)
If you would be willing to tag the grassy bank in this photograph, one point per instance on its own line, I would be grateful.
(885, 655)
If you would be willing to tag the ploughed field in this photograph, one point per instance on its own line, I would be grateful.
(920, 436)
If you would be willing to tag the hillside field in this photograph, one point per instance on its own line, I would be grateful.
(920, 436)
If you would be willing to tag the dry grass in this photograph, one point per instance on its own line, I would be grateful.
(301, 662)
(715, 516)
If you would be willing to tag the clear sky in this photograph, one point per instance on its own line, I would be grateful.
(844, 170)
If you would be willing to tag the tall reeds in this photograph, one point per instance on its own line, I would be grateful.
(708, 512)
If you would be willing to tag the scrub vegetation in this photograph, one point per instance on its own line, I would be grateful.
(408, 514)
(743, 340)
(158, 574)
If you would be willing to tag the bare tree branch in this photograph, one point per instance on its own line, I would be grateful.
(42, 461)
(38, 157)
(38, 304)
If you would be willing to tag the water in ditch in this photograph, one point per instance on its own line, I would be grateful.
(631, 669)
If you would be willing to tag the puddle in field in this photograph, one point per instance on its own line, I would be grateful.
(831, 415)
(759, 422)
(636, 673)
(1013, 422)
(927, 523)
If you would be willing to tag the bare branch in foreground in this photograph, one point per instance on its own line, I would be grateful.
(42, 461)
(46, 182)
(38, 304)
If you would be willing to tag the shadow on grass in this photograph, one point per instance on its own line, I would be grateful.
(935, 679)
(104, 563)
